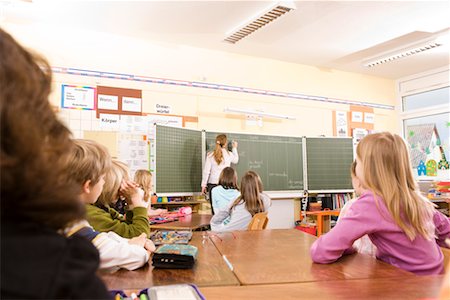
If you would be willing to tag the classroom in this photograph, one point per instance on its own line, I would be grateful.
(297, 98)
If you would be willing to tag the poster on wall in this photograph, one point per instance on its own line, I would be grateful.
(109, 122)
(133, 124)
(341, 124)
(131, 104)
(108, 102)
(163, 108)
(173, 121)
(369, 118)
(78, 97)
(357, 116)
(134, 151)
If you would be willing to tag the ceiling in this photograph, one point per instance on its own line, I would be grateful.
(326, 34)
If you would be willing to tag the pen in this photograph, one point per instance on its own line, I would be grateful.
(227, 262)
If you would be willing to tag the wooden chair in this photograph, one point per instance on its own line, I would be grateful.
(446, 252)
(258, 222)
(445, 290)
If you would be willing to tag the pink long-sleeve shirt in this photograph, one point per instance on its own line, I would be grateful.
(420, 256)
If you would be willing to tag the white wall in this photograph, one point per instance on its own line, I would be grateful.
(106, 52)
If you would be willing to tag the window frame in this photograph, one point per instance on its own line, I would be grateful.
(424, 84)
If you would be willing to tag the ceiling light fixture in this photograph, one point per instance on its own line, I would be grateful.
(259, 20)
(257, 113)
(405, 52)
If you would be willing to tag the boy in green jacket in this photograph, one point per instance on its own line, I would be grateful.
(102, 217)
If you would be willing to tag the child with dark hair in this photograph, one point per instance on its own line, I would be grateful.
(226, 191)
(38, 201)
(240, 212)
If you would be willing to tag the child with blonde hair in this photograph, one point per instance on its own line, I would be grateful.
(240, 212)
(403, 225)
(103, 217)
(364, 244)
(87, 165)
(144, 179)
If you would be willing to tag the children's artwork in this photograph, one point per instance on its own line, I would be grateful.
(431, 167)
(443, 164)
(427, 146)
(421, 169)
(171, 237)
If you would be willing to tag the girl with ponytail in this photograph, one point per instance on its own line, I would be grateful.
(216, 161)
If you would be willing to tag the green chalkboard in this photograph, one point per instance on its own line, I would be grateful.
(178, 160)
(277, 159)
(328, 163)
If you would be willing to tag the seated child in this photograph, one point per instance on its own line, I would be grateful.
(226, 191)
(364, 244)
(87, 165)
(104, 218)
(37, 262)
(240, 212)
(404, 226)
(121, 204)
(144, 179)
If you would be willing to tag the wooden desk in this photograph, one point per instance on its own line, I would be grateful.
(411, 287)
(282, 256)
(189, 222)
(210, 269)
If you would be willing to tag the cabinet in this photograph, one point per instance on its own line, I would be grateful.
(198, 205)
(437, 192)
(321, 210)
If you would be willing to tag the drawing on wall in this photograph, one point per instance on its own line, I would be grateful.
(426, 150)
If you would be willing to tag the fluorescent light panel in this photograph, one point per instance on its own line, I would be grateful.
(262, 19)
(403, 53)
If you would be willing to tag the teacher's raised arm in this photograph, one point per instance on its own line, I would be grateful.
(216, 161)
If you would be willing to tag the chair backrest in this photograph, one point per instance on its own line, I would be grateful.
(258, 222)
(446, 253)
(445, 290)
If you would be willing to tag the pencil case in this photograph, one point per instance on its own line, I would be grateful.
(178, 291)
(174, 256)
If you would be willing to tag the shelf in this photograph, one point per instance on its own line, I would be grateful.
(439, 200)
(179, 203)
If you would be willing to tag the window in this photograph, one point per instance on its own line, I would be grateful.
(427, 99)
(426, 128)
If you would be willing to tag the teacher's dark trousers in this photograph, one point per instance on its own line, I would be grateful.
(209, 187)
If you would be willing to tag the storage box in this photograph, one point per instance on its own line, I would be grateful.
(307, 228)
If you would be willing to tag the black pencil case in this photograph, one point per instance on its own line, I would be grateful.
(174, 256)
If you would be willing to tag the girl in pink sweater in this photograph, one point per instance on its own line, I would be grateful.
(404, 226)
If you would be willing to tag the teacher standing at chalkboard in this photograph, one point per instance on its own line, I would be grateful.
(216, 161)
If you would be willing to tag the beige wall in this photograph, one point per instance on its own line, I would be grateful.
(106, 52)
